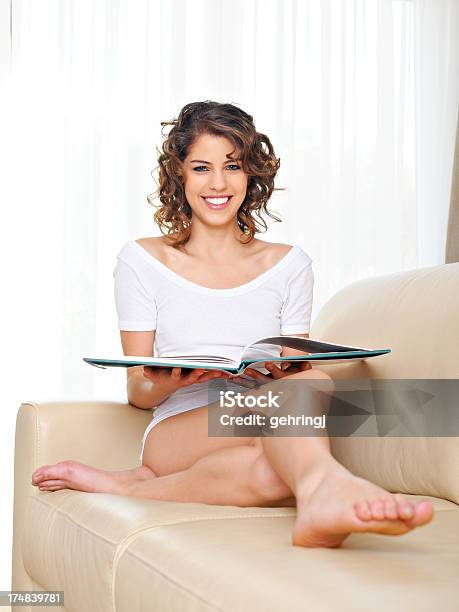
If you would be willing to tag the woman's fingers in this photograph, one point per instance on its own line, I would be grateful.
(220, 374)
(152, 373)
(275, 371)
(176, 375)
(283, 369)
(155, 372)
(199, 376)
(247, 383)
(258, 375)
(193, 375)
(183, 379)
(188, 378)
(290, 367)
(210, 375)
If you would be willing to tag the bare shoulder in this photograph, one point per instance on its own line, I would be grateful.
(156, 246)
(274, 251)
(151, 243)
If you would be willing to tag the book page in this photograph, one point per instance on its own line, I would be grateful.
(307, 345)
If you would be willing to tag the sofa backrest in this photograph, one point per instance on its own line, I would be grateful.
(416, 314)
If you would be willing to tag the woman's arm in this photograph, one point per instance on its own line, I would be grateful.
(287, 352)
(142, 392)
(148, 387)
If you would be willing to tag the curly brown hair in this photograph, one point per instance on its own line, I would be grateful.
(257, 158)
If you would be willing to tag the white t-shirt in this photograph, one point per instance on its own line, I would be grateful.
(193, 319)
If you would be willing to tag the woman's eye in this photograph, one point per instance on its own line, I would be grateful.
(198, 168)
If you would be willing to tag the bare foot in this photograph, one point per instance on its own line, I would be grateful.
(81, 477)
(334, 503)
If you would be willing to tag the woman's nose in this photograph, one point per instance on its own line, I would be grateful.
(218, 180)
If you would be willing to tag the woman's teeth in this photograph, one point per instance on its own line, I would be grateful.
(217, 202)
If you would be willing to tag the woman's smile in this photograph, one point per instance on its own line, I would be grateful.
(214, 179)
(217, 202)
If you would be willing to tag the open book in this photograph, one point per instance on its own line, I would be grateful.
(258, 351)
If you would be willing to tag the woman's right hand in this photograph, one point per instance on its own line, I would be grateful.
(173, 379)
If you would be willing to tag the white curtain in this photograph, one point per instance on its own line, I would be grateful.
(359, 98)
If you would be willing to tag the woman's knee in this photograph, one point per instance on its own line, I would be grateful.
(247, 465)
(325, 382)
(312, 373)
(266, 482)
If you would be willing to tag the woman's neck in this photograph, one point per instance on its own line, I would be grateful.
(217, 243)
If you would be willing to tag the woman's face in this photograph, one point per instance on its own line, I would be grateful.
(215, 186)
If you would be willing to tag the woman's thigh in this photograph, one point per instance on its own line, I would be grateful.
(179, 441)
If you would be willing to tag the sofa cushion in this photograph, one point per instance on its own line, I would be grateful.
(72, 541)
(109, 552)
(242, 564)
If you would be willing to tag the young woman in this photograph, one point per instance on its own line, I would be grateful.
(205, 285)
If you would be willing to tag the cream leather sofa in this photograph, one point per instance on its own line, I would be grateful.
(110, 553)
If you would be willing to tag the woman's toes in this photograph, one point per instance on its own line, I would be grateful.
(52, 485)
(377, 509)
(404, 507)
(386, 508)
(62, 470)
(39, 478)
(414, 514)
(405, 511)
(38, 475)
(363, 510)
(423, 514)
(390, 509)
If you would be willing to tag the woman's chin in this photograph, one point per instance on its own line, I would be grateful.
(217, 218)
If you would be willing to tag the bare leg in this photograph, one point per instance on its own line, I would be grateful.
(238, 476)
(331, 501)
(82, 477)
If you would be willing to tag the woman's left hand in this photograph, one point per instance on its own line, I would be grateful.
(285, 368)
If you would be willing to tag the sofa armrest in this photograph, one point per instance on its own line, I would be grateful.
(104, 434)
(107, 435)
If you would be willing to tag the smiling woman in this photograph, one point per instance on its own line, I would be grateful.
(209, 286)
(218, 126)
(219, 184)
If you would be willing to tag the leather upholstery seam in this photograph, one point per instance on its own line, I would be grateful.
(123, 545)
(62, 512)
(36, 447)
(177, 585)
